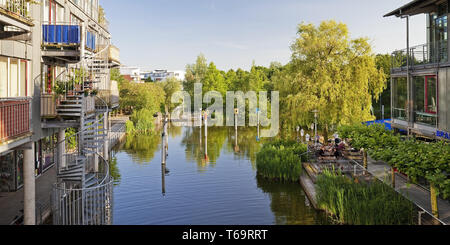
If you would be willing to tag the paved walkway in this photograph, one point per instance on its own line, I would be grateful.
(11, 203)
(417, 194)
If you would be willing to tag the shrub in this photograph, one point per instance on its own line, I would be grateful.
(280, 160)
(361, 203)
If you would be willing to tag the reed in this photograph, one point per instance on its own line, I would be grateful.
(280, 161)
(363, 203)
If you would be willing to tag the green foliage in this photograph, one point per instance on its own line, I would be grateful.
(71, 141)
(280, 161)
(116, 76)
(141, 96)
(417, 159)
(170, 87)
(143, 122)
(361, 203)
(325, 69)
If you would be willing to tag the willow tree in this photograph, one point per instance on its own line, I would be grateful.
(331, 73)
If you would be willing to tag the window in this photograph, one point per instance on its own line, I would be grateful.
(13, 77)
(3, 77)
(53, 12)
(425, 100)
(400, 93)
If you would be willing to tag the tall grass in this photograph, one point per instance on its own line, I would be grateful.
(280, 161)
(361, 203)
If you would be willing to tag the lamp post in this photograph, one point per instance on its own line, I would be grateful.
(315, 127)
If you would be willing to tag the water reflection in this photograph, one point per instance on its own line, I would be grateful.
(142, 147)
(290, 204)
(223, 189)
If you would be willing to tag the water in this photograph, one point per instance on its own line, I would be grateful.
(223, 190)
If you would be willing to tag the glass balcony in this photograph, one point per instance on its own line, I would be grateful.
(424, 54)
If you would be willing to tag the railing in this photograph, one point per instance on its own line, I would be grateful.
(19, 8)
(80, 205)
(424, 54)
(87, 206)
(61, 33)
(48, 105)
(424, 216)
(14, 118)
(399, 113)
(426, 118)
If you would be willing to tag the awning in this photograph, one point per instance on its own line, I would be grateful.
(417, 7)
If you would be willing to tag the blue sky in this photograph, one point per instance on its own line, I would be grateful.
(168, 34)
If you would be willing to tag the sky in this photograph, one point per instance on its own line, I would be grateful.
(168, 34)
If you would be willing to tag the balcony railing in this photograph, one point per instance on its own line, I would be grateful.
(424, 54)
(400, 114)
(14, 118)
(61, 34)
(426, 118)
(16, 8)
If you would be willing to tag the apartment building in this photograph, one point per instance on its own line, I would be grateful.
(420, 84)
(55, 57)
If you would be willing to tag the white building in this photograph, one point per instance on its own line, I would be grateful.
(133, 72)
(162, 75)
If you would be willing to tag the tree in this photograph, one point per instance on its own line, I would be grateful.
(170, 87)
(331, 73)
(195, 73)
(384, 62)
(149, 80)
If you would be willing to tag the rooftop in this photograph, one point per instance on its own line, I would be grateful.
(416, 7)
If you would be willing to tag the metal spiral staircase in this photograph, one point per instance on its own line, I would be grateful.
(83, 192)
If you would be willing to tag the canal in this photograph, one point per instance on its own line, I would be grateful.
(220, 190)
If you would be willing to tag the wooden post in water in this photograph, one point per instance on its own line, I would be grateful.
(164, 155)
(434, 203)
(257, 113)
(206, 135)
(236, 147)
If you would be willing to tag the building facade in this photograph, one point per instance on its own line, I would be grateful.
(55, 57)
(420, 83)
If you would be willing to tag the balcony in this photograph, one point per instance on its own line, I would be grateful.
(61, 40)
(14, 118)
(421, 56)
(114, 55)
(15, 21)
(18, 10)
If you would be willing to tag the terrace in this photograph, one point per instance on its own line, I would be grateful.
(61, 40)
(15, 19)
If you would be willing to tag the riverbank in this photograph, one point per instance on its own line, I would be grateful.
(377, 171)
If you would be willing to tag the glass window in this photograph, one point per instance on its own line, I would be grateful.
(425, 100)
(400, 91)
(19, 173)
(23, 78)
(3, 77)
(14, 78)
(48, 154)
(7, 170)
(431, 95)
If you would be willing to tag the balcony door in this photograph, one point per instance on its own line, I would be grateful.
(431, 99)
